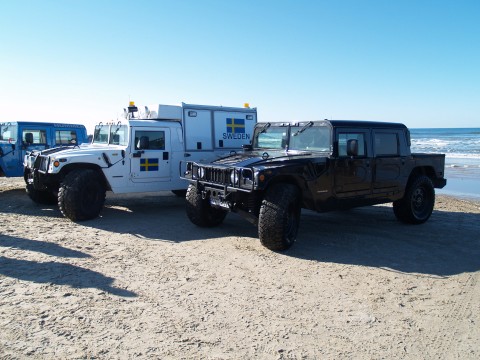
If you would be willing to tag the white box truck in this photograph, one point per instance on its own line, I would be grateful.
(142, 152)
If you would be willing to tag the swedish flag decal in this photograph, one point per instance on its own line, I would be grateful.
(235, 126)
(149, 164)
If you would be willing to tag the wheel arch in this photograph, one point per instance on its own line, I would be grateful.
(285, 179)
(70, 167)
(279, 179)
(421, 170)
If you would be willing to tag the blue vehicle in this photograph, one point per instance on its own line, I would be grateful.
(18, 138)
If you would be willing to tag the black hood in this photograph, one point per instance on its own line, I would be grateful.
(262, 157)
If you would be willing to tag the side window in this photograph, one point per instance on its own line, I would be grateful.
(343, 139)
(150, 140)
(8, 132)
(37, 137)
(65, 137)
(386, 144)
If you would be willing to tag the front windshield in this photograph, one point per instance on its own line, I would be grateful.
(272, 137)
(8, 132)
(119, 135)
(111, 134)
(310, 137)
(313, 138)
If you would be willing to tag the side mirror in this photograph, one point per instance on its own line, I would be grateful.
(352, 147)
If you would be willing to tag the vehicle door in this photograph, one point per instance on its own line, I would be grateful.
(34, 137)
(150, 158)
(388, 162)
(10, 152)
(352, 172)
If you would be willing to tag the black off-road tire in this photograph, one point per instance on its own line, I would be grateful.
(279, 217)
(199, 210)
(417, 204)
(41, 197)
(81, 195)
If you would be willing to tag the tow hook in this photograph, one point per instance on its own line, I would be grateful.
(204, 194)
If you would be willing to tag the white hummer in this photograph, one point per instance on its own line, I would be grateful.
(141, 153)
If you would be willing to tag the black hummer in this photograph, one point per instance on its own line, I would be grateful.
(318, 165)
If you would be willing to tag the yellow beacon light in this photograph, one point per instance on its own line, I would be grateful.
(132, 108)
(246, 105)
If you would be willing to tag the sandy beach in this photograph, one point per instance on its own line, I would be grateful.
(141, 281)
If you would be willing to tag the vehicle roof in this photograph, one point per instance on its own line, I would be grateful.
(346, 123)
(40, 123)
(365, 124)
(220, 108)
(151, 122)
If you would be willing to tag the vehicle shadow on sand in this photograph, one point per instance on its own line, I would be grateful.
(163, 218)
(45, 247)
(155, 217)
(16, 201)
(53, 272)
(447, 244)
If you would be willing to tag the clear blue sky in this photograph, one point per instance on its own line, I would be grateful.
(416, 62)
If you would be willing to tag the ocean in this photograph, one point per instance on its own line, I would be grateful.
(462, 161)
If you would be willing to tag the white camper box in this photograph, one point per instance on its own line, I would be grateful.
(207, 128)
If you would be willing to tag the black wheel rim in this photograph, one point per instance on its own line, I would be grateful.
(420, 202)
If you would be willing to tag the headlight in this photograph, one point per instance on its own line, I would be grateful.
(234, 177)
(201, 172)
(29, 162)
(50, 164)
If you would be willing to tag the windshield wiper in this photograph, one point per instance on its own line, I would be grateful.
(119, 125)
(263, 129)
(303, 128)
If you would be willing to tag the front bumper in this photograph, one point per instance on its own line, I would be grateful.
(226, 179)
(440, 183)
(36, 171)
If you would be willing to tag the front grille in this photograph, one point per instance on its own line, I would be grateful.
(229, 177)
(218, 176)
